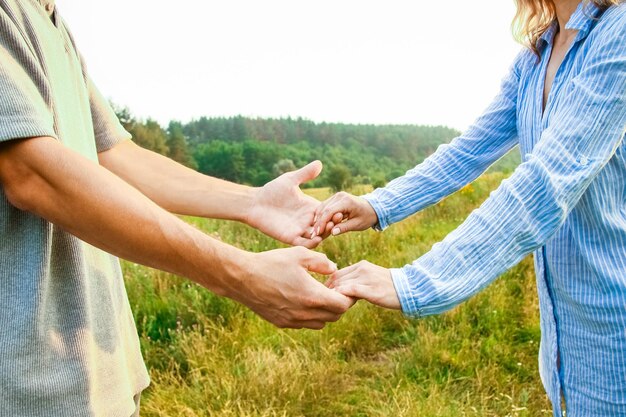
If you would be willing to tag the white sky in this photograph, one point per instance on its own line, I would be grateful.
(356, 61)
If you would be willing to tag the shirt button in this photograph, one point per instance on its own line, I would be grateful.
(584, 160)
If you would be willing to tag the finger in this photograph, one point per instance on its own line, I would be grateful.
(351, 276)
(333, 301)
(307, 173)
(344, 271)
(347, 226)
(337, 218)
(306, 324)
(330, 282)
(326, 232)
(317, 314)
(318, 262)
(325, 213)
(307, 243)
(354, 290)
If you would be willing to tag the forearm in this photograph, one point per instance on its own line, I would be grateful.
(43, 177)
(175, 187)
(518, 218)
(456, 164)
(440, 175)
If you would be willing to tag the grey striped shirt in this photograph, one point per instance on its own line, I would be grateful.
(68, 343)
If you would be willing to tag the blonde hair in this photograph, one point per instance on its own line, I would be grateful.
(534, 17)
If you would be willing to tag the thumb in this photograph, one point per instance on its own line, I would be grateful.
(307, 172)
(347, 226)
(318, 262)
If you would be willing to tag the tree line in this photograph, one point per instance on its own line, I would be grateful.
(256, 150)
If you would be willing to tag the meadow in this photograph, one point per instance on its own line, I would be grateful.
(209, 356)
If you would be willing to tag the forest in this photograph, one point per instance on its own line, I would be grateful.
(255, 150)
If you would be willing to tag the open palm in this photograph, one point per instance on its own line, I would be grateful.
(282, 211)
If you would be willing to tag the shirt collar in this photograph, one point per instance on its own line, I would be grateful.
(548, 35)
(582, 20)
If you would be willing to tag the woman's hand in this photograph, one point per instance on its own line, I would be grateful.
(343, 213)
(366, 281)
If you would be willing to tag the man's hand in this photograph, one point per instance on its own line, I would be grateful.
(343, 213)
(276, 285)
(45, 178)
(281, 210)
(366, 281)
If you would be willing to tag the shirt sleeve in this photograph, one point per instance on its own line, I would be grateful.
(24, 112)
(107, 128)
(455, 164)
(529, 207)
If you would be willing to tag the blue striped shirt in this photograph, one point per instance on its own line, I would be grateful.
(566, 202)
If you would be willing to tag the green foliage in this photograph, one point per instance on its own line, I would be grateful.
(178, 149)
(283, 166)
(339, 178)
(250, 151)
(221, 159)
(149, 135)
(209, 356)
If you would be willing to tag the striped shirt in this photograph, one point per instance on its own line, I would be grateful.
(566, 202)
(68, 342)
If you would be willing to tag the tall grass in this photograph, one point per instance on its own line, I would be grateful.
(209, 356)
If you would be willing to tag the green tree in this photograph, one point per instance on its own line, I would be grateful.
(282, 166)
(221, 159)
(339, 178)
(177, 146)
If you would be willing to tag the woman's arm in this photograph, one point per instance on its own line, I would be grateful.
(451, 167)
(529, 207)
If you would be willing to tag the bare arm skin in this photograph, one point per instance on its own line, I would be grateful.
(41, 176)
(278, 209)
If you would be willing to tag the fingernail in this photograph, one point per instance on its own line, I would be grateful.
(336, 231)
(317, 231)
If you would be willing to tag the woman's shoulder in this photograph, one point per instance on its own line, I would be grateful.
(612, 23)
(607, 38)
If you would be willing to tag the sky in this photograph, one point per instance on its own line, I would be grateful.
(352, 61)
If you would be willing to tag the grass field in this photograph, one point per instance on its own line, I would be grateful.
(212, 357)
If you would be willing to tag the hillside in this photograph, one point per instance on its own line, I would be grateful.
(253, 151)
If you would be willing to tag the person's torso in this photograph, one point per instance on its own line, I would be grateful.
(581, 271)
(68, 344)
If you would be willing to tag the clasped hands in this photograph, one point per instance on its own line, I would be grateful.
(280, 289)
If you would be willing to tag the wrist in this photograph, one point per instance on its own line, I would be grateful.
(377, 211)
(226, 271)
(371, 217)
(221, 199)
(248, 198)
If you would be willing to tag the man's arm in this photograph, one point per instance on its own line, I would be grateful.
(279, 209)
(41, 176)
